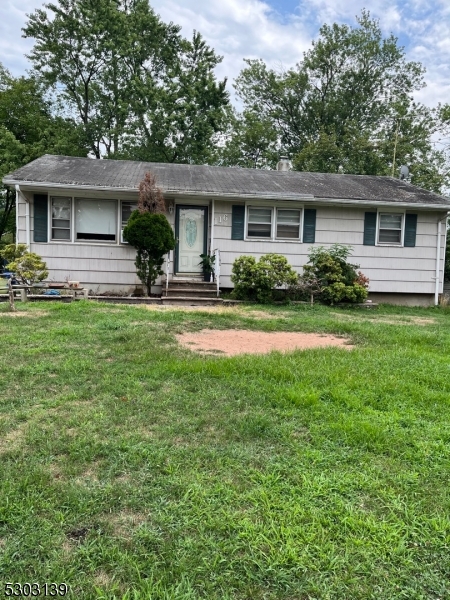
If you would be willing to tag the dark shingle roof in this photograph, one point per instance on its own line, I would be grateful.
(221, 181)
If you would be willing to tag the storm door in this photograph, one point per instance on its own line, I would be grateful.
(191, 229)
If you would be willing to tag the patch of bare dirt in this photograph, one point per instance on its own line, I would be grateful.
(13, 439)
(209, 309)
(422, 321)
(240, 341)
(55, 470)
(89, 476)
(125, 521)
(66, 548)
(103, 579)
(260, 314)
(125, 478)
(32, 315)
(404, 320)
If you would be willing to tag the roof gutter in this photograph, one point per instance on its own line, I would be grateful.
(234, 196)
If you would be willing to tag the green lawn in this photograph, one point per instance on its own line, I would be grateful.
(132, 468)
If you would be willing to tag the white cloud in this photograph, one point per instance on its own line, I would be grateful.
(240, 29)
(12, 46)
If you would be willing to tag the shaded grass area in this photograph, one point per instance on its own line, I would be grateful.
(131, 468)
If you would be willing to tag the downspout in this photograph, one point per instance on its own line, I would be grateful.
(438, 260)
(17, 215)
(211, 247)
(27, 217)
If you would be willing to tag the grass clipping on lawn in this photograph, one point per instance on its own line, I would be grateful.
(242, 341)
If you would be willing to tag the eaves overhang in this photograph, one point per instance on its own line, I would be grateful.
(363, 202)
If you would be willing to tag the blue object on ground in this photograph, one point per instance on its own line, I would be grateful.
(51, 293)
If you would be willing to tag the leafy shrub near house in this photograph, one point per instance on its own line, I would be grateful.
(257, 280)
(152, 236)
(340, 281)
(28, 267)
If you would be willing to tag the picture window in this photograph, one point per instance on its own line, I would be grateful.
(95, 220)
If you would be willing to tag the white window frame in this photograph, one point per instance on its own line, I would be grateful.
(72, 239)
(97, 241)
(273, 232)
(50, 220)
(121, 225)
(402, 232)
(247, 210)
(300, 224)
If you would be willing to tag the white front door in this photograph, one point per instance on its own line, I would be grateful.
(191, 227)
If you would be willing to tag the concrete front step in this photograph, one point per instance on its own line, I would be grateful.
(191, 293)
(182, 285)
(190, 301)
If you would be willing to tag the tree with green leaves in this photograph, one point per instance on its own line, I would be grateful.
(182, 122)
(137, 87)
(30, 127)
(347, 103)
(250, 142)
(149, 231)
(12, 155)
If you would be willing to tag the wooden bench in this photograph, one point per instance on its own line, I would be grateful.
(68, 291)
(24, 291)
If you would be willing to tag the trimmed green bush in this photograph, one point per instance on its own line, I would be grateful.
(152, 236)
(340, 281)
(257, 280)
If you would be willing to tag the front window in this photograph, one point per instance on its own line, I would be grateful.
(95, 220)
(288, 224)
(390, 228)
(127, 209)
(61, 216)
(259, 222)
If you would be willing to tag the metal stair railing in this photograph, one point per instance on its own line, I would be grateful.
(217, 269)
(167, 272)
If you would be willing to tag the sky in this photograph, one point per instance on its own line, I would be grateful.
(278, 31)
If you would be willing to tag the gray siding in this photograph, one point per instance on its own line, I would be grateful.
(390, 269)
(97, 266)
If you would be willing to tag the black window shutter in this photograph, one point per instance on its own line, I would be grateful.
(309, 226)
(237, 221)
(40, 218)
(370, 228)
(410, 230)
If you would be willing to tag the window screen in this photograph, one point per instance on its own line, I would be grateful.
(127, 209)
(61, 215)
(96, 219)
(259, 222)
(288, 224)
(390, 228)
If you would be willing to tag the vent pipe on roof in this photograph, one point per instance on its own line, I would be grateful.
(284, 164)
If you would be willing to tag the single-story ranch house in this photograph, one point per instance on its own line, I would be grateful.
(71, 211)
